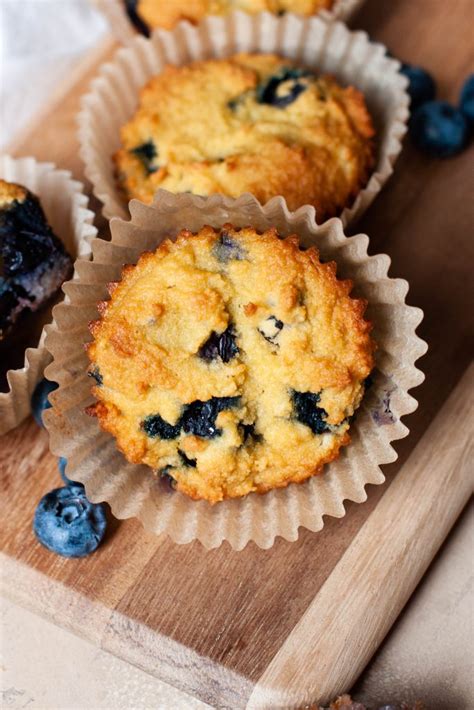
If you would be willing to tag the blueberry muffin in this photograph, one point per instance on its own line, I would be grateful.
(230, 361)
(33, 261)
(147, 15)
(251, 123)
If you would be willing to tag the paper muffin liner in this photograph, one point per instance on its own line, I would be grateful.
(132, 490)
(65, 206)
(123, 29)
(327, 47)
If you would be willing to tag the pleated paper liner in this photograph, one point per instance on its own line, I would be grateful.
(124, 30)
(65, 206)
(132, 490)
(323, 47)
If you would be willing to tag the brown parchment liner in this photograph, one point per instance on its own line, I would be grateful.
(132, 490)
(326, 47)
(65, 206)
(124, 30)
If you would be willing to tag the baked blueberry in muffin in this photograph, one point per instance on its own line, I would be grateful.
(147, 15)
(33, 265)
(252, 123)
(230, 375)
(34, 262)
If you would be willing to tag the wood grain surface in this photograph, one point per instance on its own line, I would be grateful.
(257, 624)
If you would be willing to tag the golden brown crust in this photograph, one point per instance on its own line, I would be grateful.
(167, 13)
(11, 192)
(303, 137)
(278, 386)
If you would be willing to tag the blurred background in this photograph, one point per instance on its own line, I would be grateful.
(40, 42)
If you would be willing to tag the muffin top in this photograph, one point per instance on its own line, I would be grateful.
(33, 260)
(149, 14)
(230, 361)
(251, 123)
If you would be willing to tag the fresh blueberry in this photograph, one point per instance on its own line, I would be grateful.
(62, 463)
(146, 153)
(283, 88)
(199, 418)
(421, 87)
(439, 129)
(67, 523)
(467, 99)
(154, 426)
(221, 345)
(307, 411)
(227, 249)
(39, 399)
(270, 329)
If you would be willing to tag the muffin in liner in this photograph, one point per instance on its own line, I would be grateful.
(325, 47)
(65, 206)
(122, 27)
(132, 490)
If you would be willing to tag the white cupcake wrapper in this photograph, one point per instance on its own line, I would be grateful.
(123, 29)
(65, 206)
(132, 491)
(322, 46)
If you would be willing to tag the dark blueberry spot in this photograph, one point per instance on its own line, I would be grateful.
(439, 129)
(248, 432)
(146, 153)
(136, 20)
(186, 461)
(233, 103)
(221, 345)
(166, 476)
(421, 87)
(95, 374)
(39, 399)
(226, 249)
(25, 236)
(466, 103)
(28, 250)
(283, 88)
(199, 418)
(154, 426)
(271, 328)
(67, 523)
(62, 463)
(307, 411)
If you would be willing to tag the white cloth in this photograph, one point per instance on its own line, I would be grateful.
(40, 41)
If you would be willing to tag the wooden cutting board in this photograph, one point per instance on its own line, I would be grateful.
(298, 623)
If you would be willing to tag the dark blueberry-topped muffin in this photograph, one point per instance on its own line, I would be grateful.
(33, 261)
(230, 361)
(250, 123)
(147, 15)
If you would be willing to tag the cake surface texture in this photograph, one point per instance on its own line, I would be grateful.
(150, 14)
(230, 361)
(250, 123)
(33, 261)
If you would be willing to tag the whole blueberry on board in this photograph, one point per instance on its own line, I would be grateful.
(439, 129)
(466, 103)
(421, 87)
(67, 523)
(39, 399)
(62, 463)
